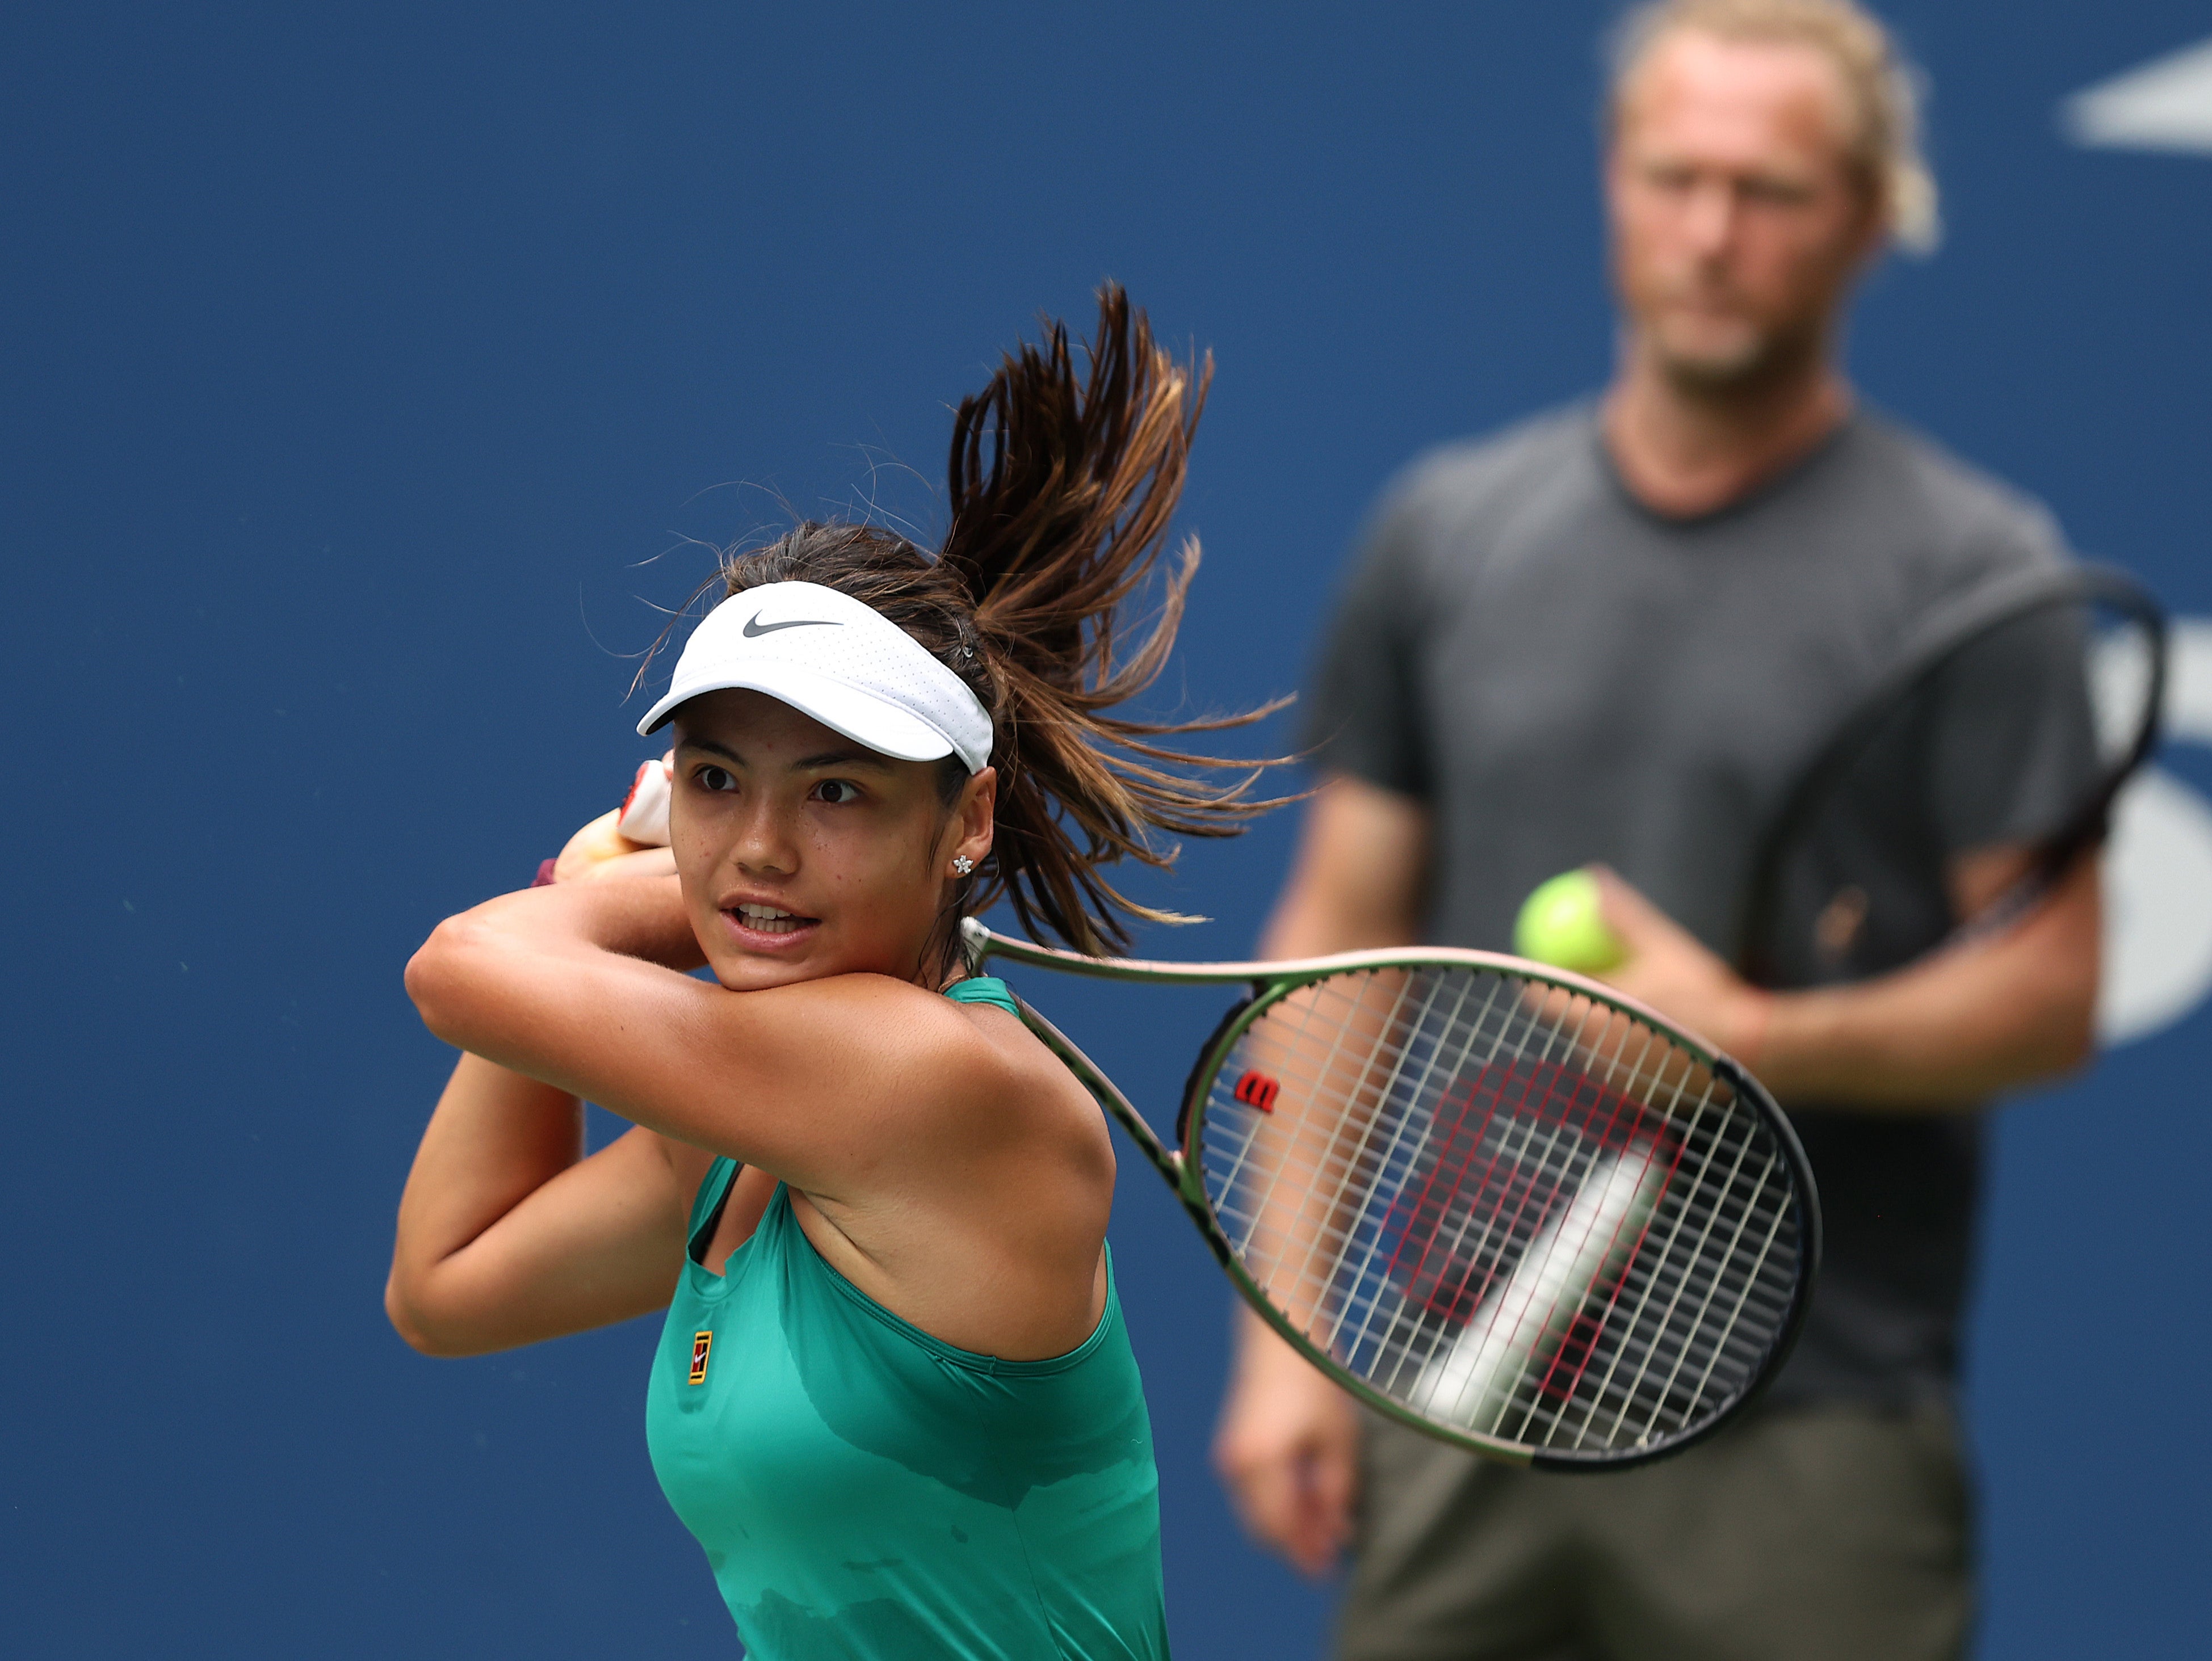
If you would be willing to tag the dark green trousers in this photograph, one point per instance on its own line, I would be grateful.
(1829, 1534)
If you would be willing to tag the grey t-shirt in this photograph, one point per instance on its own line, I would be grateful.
(1562, 676)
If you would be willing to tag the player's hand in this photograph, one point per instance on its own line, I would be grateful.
(1669, 968)
(612, 843)
(598, 851)
(1288, 1447)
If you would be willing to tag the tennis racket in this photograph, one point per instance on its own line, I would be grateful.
(2012, 717)
(1505, 1206)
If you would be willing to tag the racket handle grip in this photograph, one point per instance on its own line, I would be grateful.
(644, 816)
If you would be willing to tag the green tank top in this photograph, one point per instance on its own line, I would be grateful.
(863, 1490)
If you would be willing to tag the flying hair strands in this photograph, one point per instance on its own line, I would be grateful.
(1061, 484)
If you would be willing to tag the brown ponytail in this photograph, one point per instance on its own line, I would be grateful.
(1061, 486)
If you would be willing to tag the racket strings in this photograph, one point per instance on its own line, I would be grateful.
(1505, 1207)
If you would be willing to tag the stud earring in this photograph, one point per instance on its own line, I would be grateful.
(962, 865)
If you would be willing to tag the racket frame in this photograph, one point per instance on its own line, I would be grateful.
(1269, 983)
(1950, 628)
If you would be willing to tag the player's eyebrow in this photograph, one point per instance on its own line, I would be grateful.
(712, 749)
(854, 757)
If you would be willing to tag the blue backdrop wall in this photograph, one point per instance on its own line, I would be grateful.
(370, 373)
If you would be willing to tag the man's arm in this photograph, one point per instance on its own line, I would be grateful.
(1357, 878)
(1942, 1034)
(1288, 1442)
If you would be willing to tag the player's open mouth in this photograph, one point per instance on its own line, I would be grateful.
(753, 919)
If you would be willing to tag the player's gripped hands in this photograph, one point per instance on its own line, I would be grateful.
(1288, 1448)
(1672, 970)
(598, 851)
(616, 844)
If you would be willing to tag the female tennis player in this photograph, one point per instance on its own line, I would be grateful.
(894, 1398)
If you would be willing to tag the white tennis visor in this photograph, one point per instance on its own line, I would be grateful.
(845, 664)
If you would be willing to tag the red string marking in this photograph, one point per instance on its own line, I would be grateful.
(1452, 1290)
(1471, 1177)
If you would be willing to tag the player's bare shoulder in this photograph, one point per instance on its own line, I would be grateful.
(1024, 1090)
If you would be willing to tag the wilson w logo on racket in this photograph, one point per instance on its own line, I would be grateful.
(1258, 1090)
(1500, 1204)
(1509, 1149)
(1513, 1236)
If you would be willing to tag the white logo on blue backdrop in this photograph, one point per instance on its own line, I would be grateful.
(2158, 868)
(2165, 104)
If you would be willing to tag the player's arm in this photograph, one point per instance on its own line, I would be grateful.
(580, 985)
(1287, 1445)
(1945, 1033)
(508, 1234)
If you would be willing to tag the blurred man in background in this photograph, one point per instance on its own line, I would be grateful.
(1613, 635)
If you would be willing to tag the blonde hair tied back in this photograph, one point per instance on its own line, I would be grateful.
(1886, 87)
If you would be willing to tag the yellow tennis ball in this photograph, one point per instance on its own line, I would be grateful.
(1562, 924)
